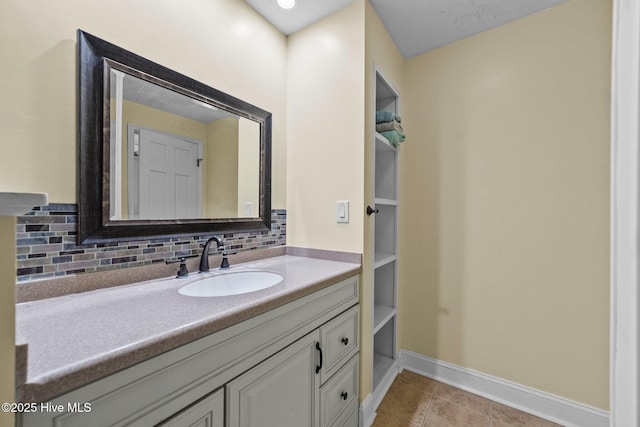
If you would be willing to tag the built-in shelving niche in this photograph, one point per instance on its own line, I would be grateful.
(385, 171)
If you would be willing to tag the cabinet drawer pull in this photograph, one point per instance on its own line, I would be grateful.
(345, 341)
(319, 350)
(344, 395)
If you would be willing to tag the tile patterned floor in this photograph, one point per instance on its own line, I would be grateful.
(416, 401)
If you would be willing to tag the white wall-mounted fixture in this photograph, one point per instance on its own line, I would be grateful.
(342, 211)
(15, 204)
(286, 4)
(136, 143)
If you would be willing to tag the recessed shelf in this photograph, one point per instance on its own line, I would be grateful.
(383, 144)
(381, 315)
(385, 170)
(385, 229)
(381, 365)
(380, 201)
(384, 350)
(381, 259)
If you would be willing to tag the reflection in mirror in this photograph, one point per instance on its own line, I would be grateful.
(173, 156)
(161, 154)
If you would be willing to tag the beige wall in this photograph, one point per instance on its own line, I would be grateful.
(7, 314)
(222, 43)
(221, 201)
(325, 125)
(505, 202)
(382, 53)
(248, 174)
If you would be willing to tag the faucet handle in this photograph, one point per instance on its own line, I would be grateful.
(182, 271)
(225, 260)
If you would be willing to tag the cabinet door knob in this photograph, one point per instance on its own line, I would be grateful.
(345, 341)
(344, 395)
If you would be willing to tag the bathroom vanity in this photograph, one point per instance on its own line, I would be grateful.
(145, 355)
(161, 352)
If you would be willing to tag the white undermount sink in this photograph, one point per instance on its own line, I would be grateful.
(231, 284)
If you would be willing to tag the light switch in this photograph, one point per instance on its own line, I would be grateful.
(248, 209)
(342, 211)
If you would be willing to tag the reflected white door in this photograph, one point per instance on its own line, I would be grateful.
(169, 184)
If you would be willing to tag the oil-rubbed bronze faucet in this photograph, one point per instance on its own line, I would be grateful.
(182, 272)
(204, 260)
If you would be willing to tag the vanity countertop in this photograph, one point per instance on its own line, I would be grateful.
(76, 339)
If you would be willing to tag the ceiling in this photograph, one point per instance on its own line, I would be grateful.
(416, 26)
(304, 13)
(152, 95)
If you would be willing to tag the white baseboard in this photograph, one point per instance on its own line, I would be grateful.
(544, 405)
(370, 404)
(367, 412)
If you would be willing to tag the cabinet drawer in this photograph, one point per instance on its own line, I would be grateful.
(339, 339)
(339, 394)
(350, 418)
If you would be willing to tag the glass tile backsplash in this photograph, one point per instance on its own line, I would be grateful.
(46, 245)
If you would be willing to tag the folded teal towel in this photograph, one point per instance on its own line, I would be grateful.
(393, 136)
(394, 125)
(386, 116)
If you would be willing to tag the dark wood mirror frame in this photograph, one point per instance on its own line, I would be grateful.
(94, 223)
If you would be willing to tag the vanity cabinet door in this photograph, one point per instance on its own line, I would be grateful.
(281, 391)
(207, 412)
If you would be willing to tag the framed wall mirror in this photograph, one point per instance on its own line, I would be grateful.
(161, 154)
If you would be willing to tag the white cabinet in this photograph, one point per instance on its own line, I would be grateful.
(281, 391)
(265, 371)
(339, 373)
(339, 396)
(385, 239)
(207, 412)
(313, 382)
(339, 340)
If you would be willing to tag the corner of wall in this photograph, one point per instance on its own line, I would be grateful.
(325, 150)
(7, 315)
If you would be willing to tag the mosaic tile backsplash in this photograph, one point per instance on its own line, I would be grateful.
(46, 245)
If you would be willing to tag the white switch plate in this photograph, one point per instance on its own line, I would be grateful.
(342, 211)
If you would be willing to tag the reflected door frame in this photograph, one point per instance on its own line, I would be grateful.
(625, 213)
(133, 170)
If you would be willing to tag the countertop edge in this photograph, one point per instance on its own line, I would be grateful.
(16, 204)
